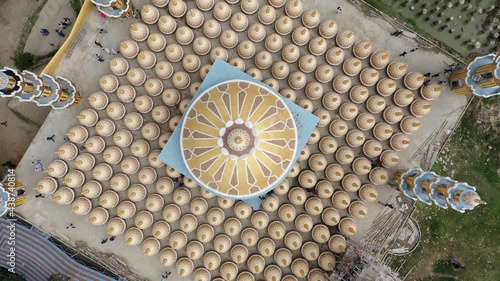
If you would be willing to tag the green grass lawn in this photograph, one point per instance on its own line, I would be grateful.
(472, 156)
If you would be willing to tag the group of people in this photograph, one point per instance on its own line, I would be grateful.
(165, 276)
(62, 25)
(110, 51)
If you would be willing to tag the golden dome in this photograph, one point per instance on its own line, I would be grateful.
(193, 89)
(105, 127)
(314, 91)
(348, 111)
(153, 159)
(123, 138)
(287, 212)
(327, 261)
(88, 118)
(229, 270)
(167, 24)
(171, 213)
(78, 134)
(334, 172)
(389, 158)
(256, 263)
(431, 91)
(150, 131)
(318, 46)
(362, 49)
(324, 73)
(136, 76)
(119, 182)
(139, 31)
(410, 125)
(331, 101)
(57, 169)
(301, 36)
(181, 80)
(399, 142)
(222, 243)
(173, 173)
(259, 220)
(378, 176)
(396, 70)
(294, 172)
(202, 274)
(290, 53)
(133, 236)
(351, 183)
(263, 60)
(314, 206)
(283, 25)
(242, 210)
(81, 206)
(365, 121)
(372, 148)
(369, 76)
(342, 84)
(98, 216)
(328, 145)
(317, 274)
(345, 39)
(320, 234)
(146, 60)
(170, 97)
(379, 59)
(316, 135)
(341, 200)
(232, 226)
(282, 188)
(84, 161)
(335, 56)
(228, 39)
(136, 192)
(277, 231)
(420, 108)
(358, 94)
(375, 104)
(303, 223)
(277, 4)
(153, 86)
(184, 35)
(173, 53)
(177, 8)
(188, 223)
(109, 199)
(328, 29)
(116, 110)
(324, 189)
(143, 219)
(212, 28)
(337, 244)
(307, 179)
(311, 18)
(300, 267)
(249, 6)
(293, 8)
(382, 131)
(246, 49)
(293, 240)
(267, 15)
(130, 165)
(225, 203)
(115, 226)
(413, 80)
(211, 260)
(352, 66)
(215, 216)
(201, 46)
(393, 114)
(283, 257)
(149, 14)
(239, 22)
(126, 209)
(222, 12)
(177, 240)
(317, 162)
(361, 166)
(160, 3)
(167, 256)
(274, 43)
(348, 227)
(297, 80)
(358, 210)
(307, 63)
(63, 196)
(126, 93)
(267, 246)
(386, 87)
(102, 172)
(198, 205)
(403, 97)
(270, 203)
(205, 5)
(272, 273)
(154, 202)
(150, 246)
(330, 216)
(73, 179)
(184, 265)
(194, 18)
(280, 70)
(119, 66)
(182, 196)
(249, 236)
(344, 155)
(160, 114)
(129, 49)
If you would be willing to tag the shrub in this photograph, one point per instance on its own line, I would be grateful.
(438, 229)
(412, 21)
(24, 60)
(76, 5)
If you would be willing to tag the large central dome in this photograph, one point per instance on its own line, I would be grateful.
(238, 138)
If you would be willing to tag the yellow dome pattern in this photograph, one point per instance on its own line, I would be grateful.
(238, 138)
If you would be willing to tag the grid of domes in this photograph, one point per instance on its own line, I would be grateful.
(368, 108)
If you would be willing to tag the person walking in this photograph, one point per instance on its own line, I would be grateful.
(403, 54)
(60, 33)
(44, 32)
(67, 21)
(102, 30)
(396, 33)
(436, 75)
(339, 10)
(61, 25)
(51, 138)
(99, 58)
(414, 49)
(447, 70)
(97, 43)
(428, 74)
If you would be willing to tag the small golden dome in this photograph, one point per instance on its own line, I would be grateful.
(276, 231)
(150, 246)
(369, 76)
(84, 161)
(167, 256)
(386, 87)
(314, 206)
(328, 145)
(167, 24)
(372, 148)
(88, 118)
(194, 18)
(344, 155)
(287, 212)
(403, 97)
(263, 60)
(232, 226)
(191, 63)
(267, 15)
(133, 236)
(154, 202)
(222, 243)
(126, 93)
(320, 234)
(318, 46)
(335, 56)
(311, 18)
(348, 111)
(98, 100)
(78, 134)
(393, 114)
(139, 31)
(355, 138)
(160, 3)
(331, 101)
(351, 183)
(272, 272)
(136, 76)
(273, 43)
(259, 220)
(211, 260)
(163, 139)
(177, 240)
(170, 97)
(365, 121)
(301, 36)
(420, 108)
(283, 257)
(238, 63)
(307, 63)
(358, 94)
(396, 70)
(57, 169)
(98, 216)
(378, 176)
(105, 127)
(379, 59)
(249, 236)
(317, 162)
(256, 263)
(119, 66)
(123, 138)
(277, 4)
(126, 209)
(345, 39)
(239, 22)
(399, 142)
(297, 80)
(300, 267)
(382, 131)
(215, 216)
(273, 83)
(143, 219)
(115, 226)
(182, 196)
(293, 240)
(205, 233)
(171, 213)
(242, 210)
(303, 223)
(130, 165)
(294, 172)
(283, 25)
(330, 216)
(109, 199)
(314, 91)
(173, 53)
(249, 6)
(157, 42)
(293, 8)
(324, 73)
(413, 80)
(228, 39)
(177, 8)
(389, 158)
(270, 203)
(202, 274)
(315, 135)
(184, 265)
(229, 270)
(63, 196)
(375, 104)
(361, 166)
(307, 179)
(164, 185)
(81, 206)
(149, 14)
(212, 28)
(337, 244)
(328, 29)
(150, 131)
(153, 87)
(246, 49)
(348, 227)
(224, 203)
(73, 179)
(342, 84)
(290, 53)
(324, 189)
(358, 210)
(410, 125)
(201, 46)
(129, 49)
(327, 261)
(334, 172)
(153, 159)
(431, 91)
(205, 5)
(102, 172)
(173, 173)
(280, 70)
(352, 66)
(341, 200)
(116, 110)
(222, 11)
(220, 53)
(184, 35)
(282, 188)
(362, 49)
(188, 223)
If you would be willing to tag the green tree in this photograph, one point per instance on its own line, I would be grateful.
(5, 275)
